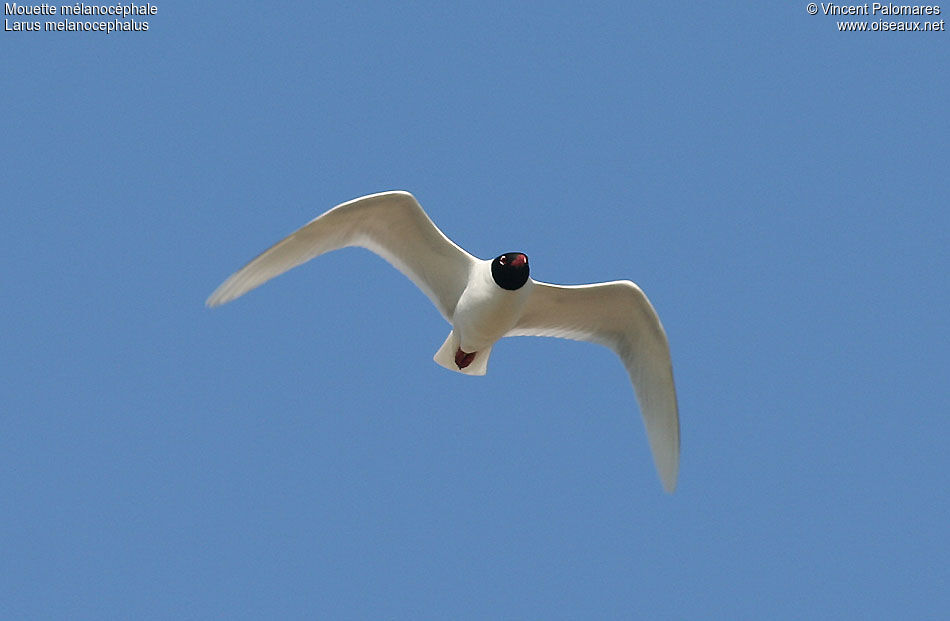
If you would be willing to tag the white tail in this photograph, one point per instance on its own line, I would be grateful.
(446, 357)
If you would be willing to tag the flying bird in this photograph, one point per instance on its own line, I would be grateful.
(485, 300)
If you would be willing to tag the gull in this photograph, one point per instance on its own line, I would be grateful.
(486, 300)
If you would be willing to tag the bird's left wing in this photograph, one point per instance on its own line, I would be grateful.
(619, 315)
(391, 224)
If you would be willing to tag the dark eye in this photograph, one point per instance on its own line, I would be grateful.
(502, 259)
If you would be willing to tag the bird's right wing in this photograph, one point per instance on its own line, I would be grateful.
(391, 224)
(617, 314)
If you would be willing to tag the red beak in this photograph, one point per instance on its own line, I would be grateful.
(519, 260)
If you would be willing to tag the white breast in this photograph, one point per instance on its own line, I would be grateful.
(486, 312)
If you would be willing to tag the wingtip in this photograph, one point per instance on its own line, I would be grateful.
(669, 474)
(222, 295)
(214, 300)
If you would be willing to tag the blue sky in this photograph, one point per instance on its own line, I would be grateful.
(779, 190)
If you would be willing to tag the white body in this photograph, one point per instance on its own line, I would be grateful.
(393, 225)
(484, 314)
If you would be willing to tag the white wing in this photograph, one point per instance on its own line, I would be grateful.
(618, 315)
(391, 224)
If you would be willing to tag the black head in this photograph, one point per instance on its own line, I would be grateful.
(510, 270)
